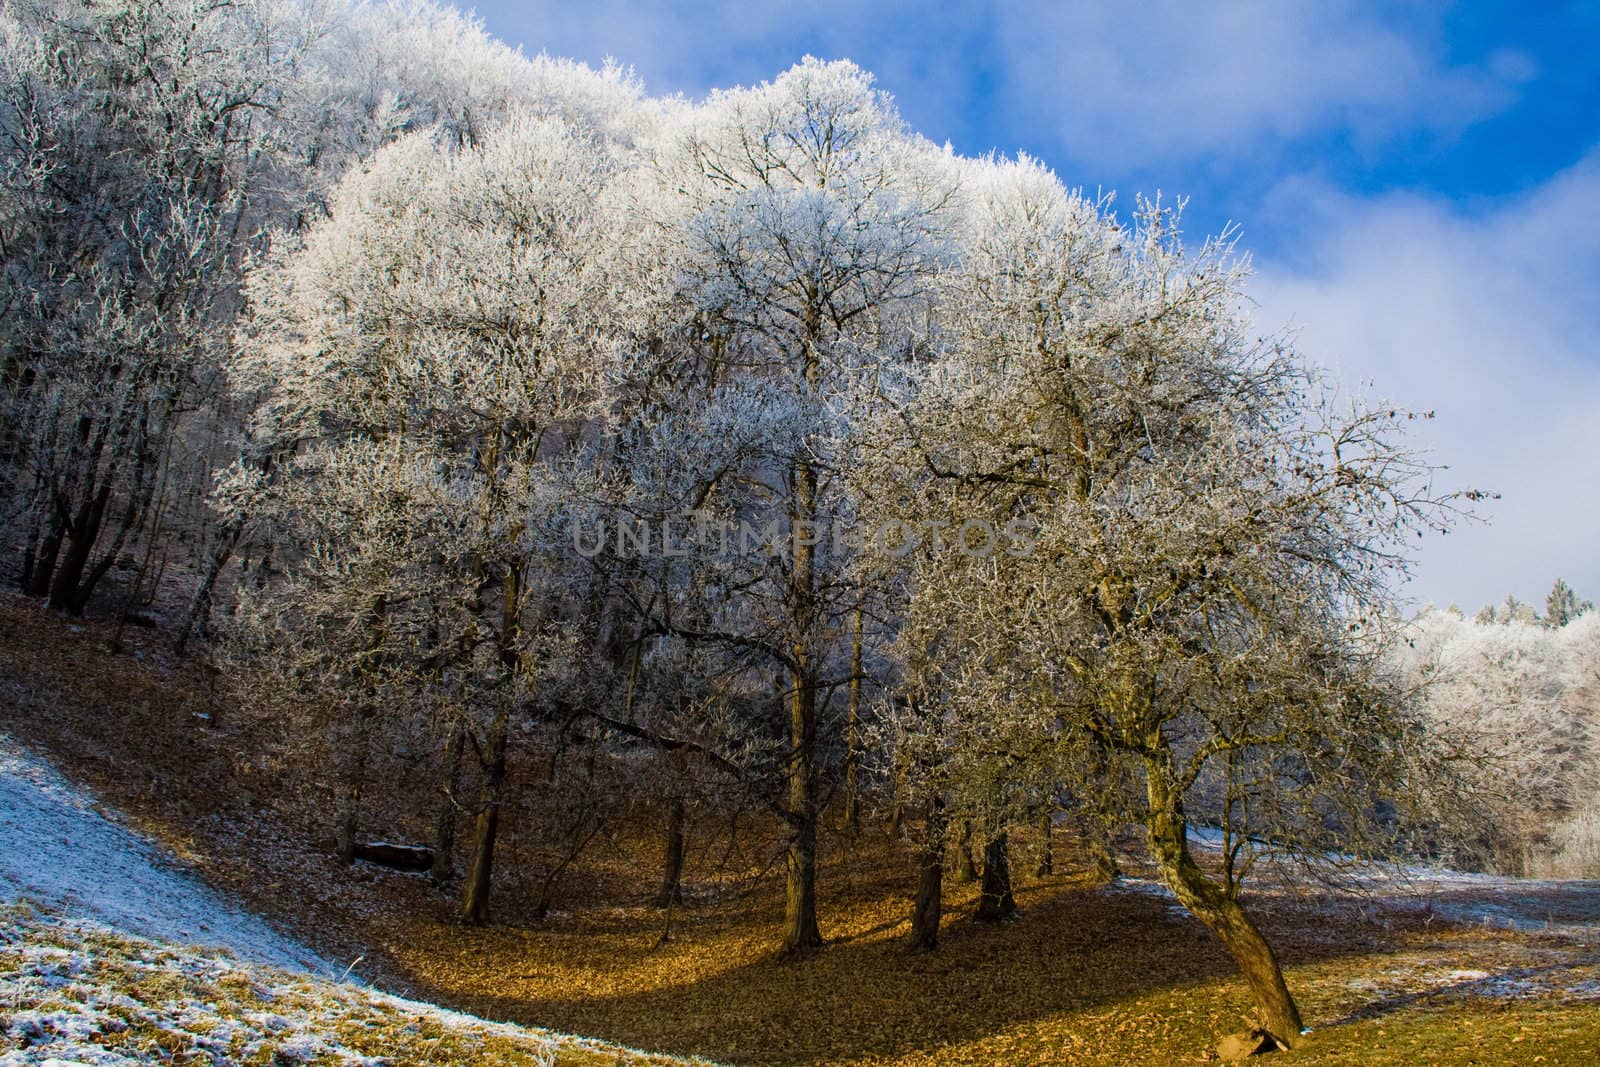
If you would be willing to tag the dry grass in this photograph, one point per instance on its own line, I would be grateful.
(1087, 976)
(74, 992)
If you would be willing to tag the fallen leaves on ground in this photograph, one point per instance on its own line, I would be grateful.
(1088, 975)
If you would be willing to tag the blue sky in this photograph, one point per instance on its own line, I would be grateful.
(1418, 185)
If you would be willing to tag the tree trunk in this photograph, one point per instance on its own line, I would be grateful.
(41, 563)
(361, 744)
(966, 870)
(1217, 910)
(480, 877)
(355, 781)
(197, 619)
(444, 832)
(1102, 851)
(852, 798)
(475, 894)
(928, 910)
(995, 902)
(1047, 854)
(67, 590)
(541, 910)
(801, 933)
(142, 512)
(895, 827)
(345, 839)
(671, 891)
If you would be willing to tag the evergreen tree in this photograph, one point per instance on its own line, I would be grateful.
(1514, 610)
(1563, 605)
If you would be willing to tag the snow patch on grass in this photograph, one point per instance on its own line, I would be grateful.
(58, 848)
(1566, 980)
(112, 953)
(77, 991)
(1496, 902)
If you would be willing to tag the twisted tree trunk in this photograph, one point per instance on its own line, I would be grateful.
(1218, 910)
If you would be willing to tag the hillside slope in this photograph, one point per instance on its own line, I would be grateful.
(1422, 967)
(58, 849)
(111, 953)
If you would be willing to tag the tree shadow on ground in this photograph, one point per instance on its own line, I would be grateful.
(1509, 982)
(717, 992)
(1118, 966)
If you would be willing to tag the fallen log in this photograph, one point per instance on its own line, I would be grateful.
(398, 857)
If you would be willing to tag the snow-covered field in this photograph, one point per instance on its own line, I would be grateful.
(111, 953)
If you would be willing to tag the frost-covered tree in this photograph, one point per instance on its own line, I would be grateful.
(811, 222)
(1520, 699)
(150, 147)
(1210, 538)
(139, 137)
(452, 312)
(374, 73)
(1563, 605)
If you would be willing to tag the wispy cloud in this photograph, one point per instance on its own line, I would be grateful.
(1489, 320)
(1173, 80)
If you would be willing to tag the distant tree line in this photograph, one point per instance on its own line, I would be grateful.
(1519, 692)
(1561, 606)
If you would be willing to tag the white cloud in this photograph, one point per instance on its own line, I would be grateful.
(1167, 82)
(1489, 320)
(1175, 80)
